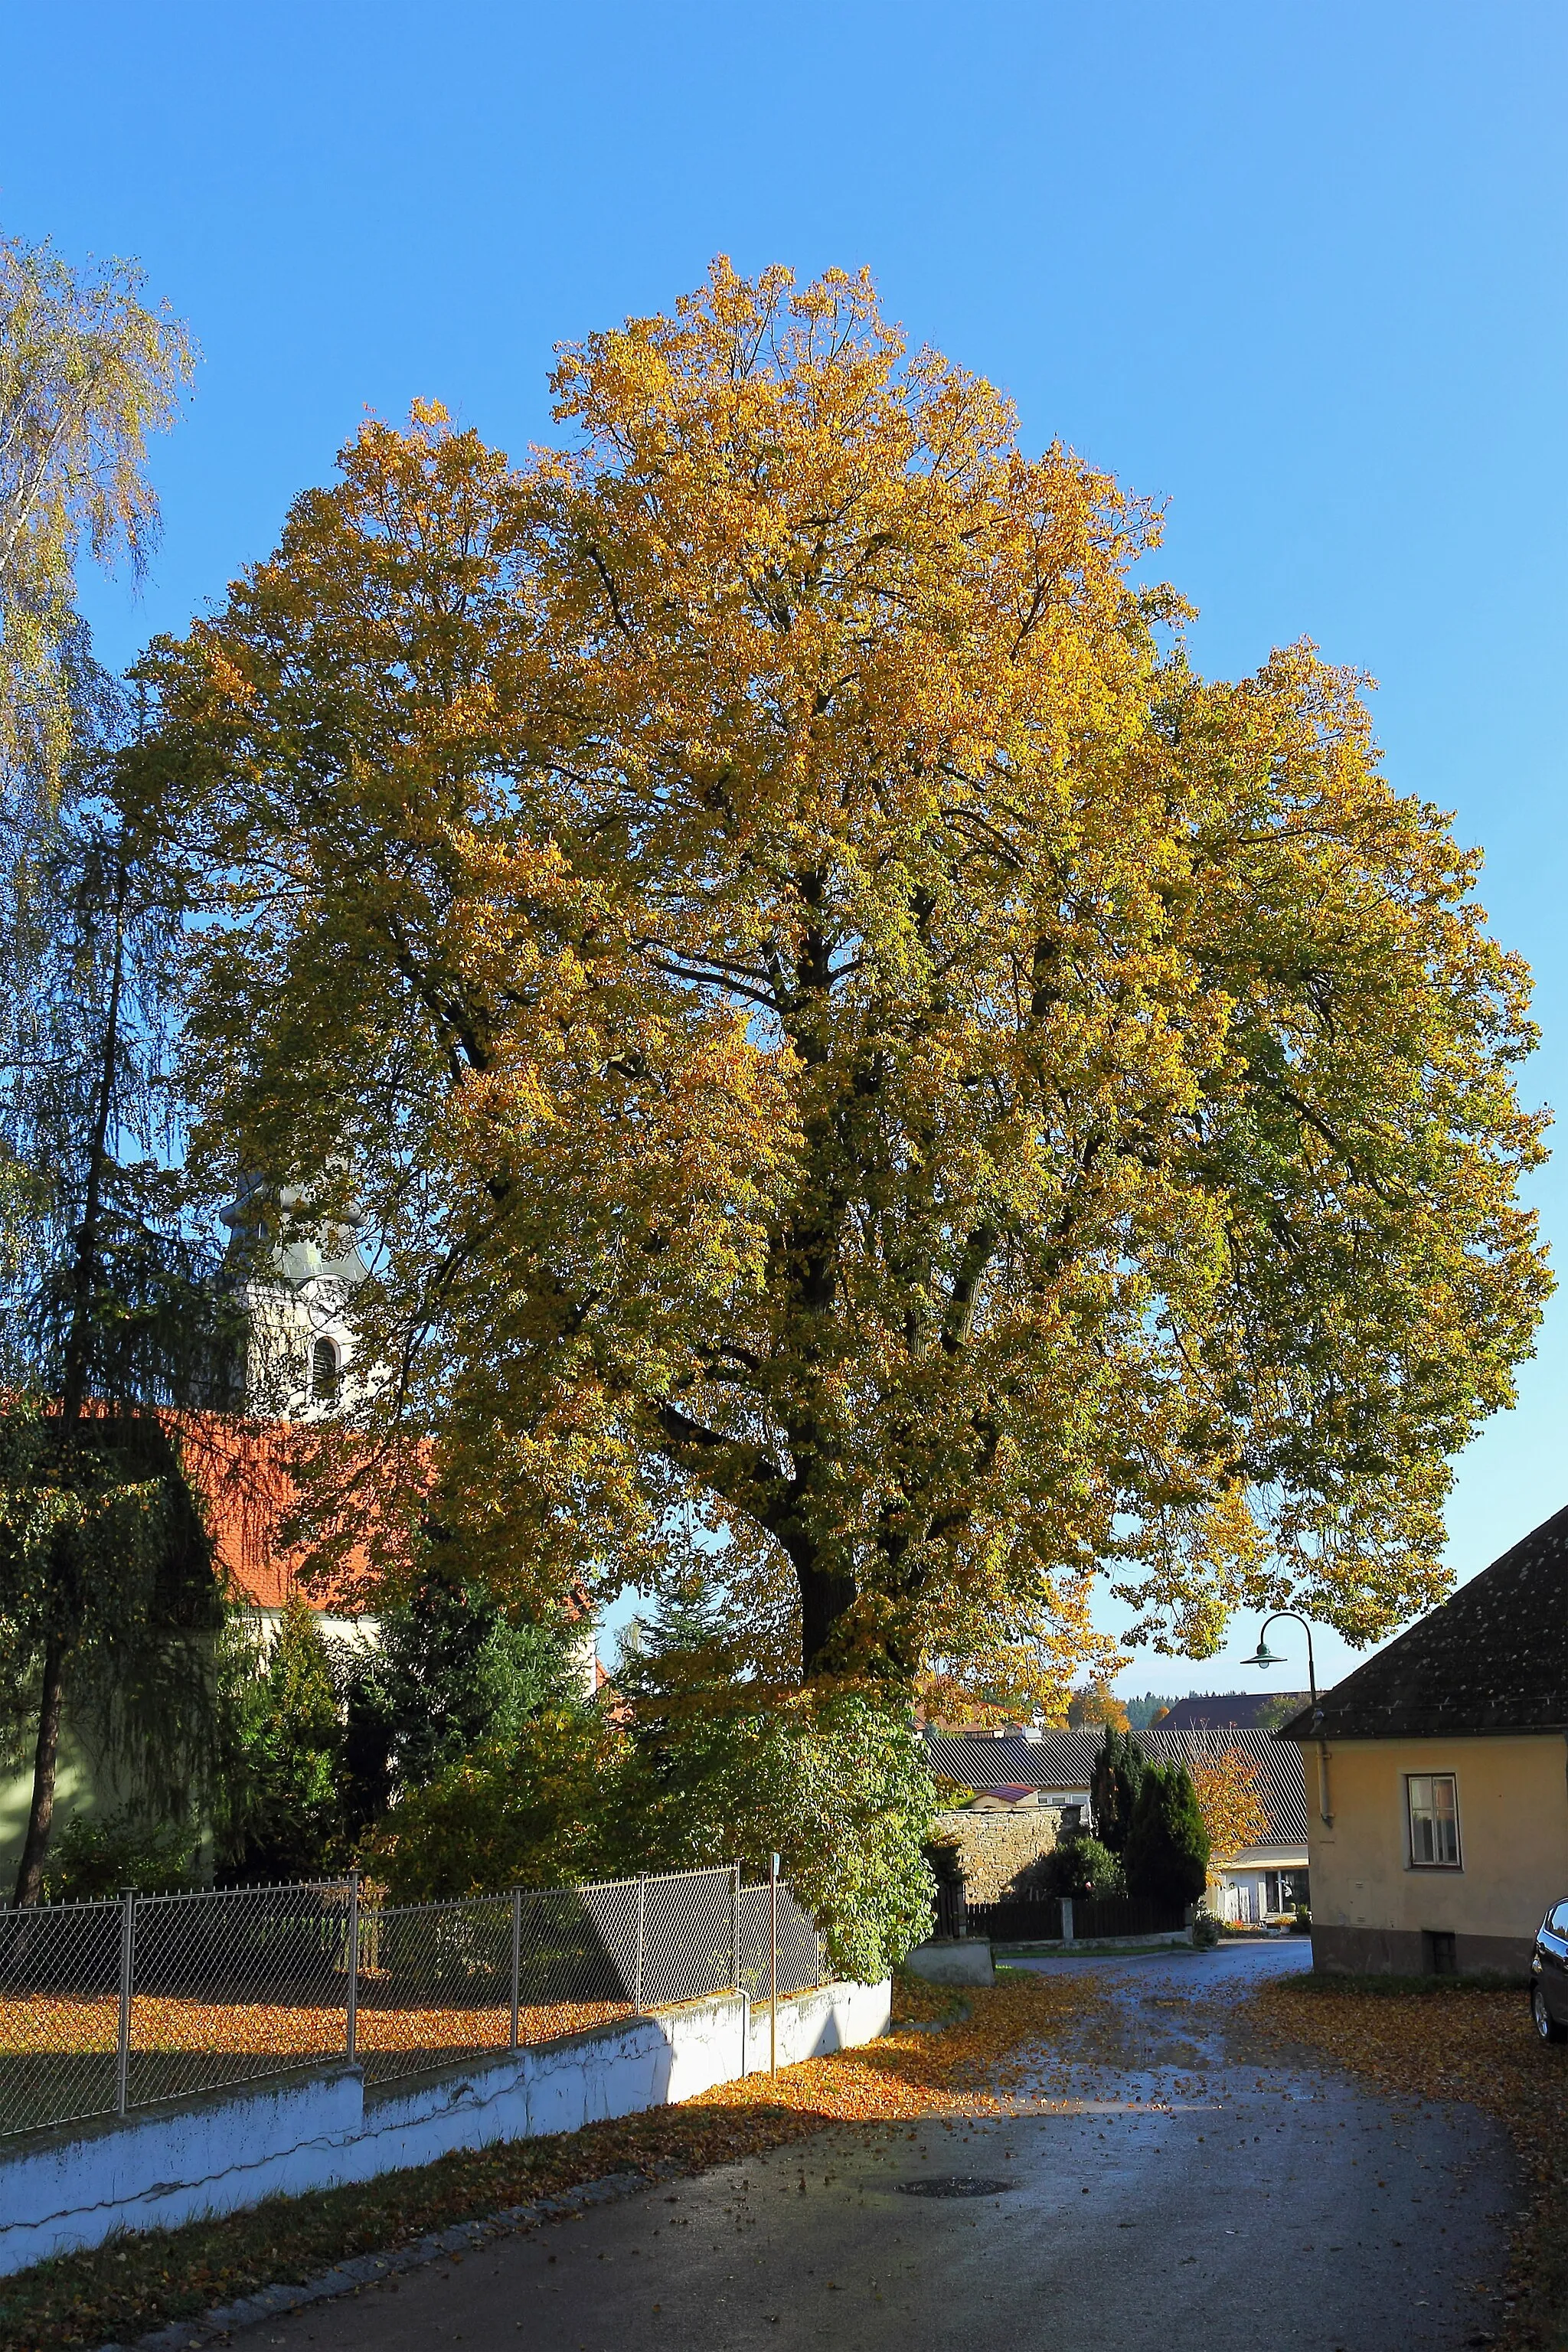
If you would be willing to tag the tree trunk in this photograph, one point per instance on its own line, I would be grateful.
(824, 1600)
(86, 1271)
(46, 1767)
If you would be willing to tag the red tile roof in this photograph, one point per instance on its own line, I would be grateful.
(247, 1475)
(266, 1513)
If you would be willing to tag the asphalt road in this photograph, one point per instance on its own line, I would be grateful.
(1167, 2184)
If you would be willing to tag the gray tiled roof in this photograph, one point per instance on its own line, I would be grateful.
(1220, 1710)
(1282, 1774)
(1059, 1762)
(1494, 1658)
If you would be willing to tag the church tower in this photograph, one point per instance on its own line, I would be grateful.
(298, 1349)
(295, 1296)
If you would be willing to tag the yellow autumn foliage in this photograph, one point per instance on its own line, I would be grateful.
(1231, 1799)
(867, 1079)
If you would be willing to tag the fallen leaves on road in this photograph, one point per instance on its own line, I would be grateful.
(1452, 2041)
(124, 2290)
(969, 2068)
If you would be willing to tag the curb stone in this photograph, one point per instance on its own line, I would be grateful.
(367, 2269)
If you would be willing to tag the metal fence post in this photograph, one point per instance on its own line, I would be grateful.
(127, 1968)
(735, 1924)
(740, 1993)
(1066, 1919)
(516, 1959)
(642, 1922)
(351, 2021)
(774, 1965)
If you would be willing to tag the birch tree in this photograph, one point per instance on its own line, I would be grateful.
(105, 1573)
(87, 371)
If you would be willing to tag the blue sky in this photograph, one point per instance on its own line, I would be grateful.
(1299, 272)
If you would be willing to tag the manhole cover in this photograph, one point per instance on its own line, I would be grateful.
(955, 2184)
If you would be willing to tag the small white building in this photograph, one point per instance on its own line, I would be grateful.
(1264, 1881)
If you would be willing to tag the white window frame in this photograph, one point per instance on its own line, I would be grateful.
(1430, 1814)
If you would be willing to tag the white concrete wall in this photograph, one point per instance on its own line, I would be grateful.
(204, 2156)
(815, 2024)
(225, 2151)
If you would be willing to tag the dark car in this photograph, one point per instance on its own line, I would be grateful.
(1549, 1976)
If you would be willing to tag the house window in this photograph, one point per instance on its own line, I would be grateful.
(1433, 1801)
(324, 1372)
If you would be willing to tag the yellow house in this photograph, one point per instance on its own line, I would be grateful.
(1437, 1780)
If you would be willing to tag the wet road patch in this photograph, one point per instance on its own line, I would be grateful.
(954, 2184)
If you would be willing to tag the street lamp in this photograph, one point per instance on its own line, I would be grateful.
(1265, 1656)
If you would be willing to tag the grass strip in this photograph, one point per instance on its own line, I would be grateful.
(137, 2283)
(1086, 1951)
(1459, 2038)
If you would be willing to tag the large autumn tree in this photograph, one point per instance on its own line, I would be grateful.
(839, 1040)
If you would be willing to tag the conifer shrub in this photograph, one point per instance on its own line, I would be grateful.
(1166, 1855)
(280, 1815)
(1115, 1778)
(834, 1784)
(536, 1808)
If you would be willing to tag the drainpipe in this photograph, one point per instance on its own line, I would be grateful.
(1325, 1816)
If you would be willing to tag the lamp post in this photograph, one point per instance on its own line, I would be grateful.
(1265, 1656)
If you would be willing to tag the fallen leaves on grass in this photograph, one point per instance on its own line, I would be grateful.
(286, 2030)
(128, 2288)
(1445, 2041)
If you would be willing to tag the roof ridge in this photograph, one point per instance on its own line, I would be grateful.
(1491, 1658)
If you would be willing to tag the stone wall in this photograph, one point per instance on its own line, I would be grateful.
(998, 1848)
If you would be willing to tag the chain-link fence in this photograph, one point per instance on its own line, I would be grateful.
(802, 1960)
(110, 2006)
